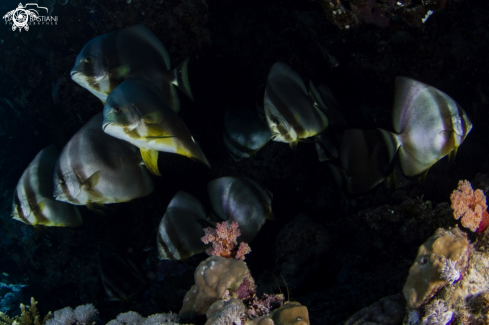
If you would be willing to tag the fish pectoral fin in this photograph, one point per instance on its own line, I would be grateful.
(452, 154)
(307, 140)
(120, 71)
(97, 208)
(38, 208)
(150, 158)
(153, 118)
(92, 181)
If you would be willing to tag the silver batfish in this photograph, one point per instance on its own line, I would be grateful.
(181, 228)
(293, 113)
(244, 133)
(133, 52)
(242, 200)
(33, 201)
(95, 168)
(137, 113)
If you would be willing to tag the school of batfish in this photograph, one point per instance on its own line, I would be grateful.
(111, 158)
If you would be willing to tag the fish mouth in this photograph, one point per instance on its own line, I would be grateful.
(73, 72)
(105, 125)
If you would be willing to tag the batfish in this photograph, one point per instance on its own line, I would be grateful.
(181, 228)
(133, 52)
(137, 113)
(95, 168)
(293, 113)
(33, 201)
(242, 200)
(244, 133)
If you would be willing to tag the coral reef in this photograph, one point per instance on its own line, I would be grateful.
(81, 315)
(471, 206)
(291, 313)
(223, 312)
(224, 242)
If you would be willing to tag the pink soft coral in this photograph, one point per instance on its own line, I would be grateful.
(471, 206)
(224, 242)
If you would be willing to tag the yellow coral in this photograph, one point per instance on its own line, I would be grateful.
(29, 316)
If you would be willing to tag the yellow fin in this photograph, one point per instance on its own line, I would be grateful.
(150, 158)
(92, 181)
(96, 207)
(293, 145)
(153, 118)
(119, 71)
(452, 154)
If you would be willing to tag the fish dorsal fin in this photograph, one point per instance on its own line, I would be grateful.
(153, 118)
(92, 181)
(317, 98)
(181, 79)
(270, 216)
(120, 71)
(150, 158)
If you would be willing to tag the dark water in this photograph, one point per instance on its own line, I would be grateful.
(232, 46)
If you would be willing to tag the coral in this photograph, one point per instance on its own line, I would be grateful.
(215, 278)
(387, 311)
(82, 315)
(469, 205)
(450, 273)
(260, 307)
(425, 275)
(29, 316)
(292, 313)
(437, 313)
(224, 242)
(224, 312)
(133, 318)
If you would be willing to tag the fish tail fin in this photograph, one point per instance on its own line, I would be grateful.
(150, 158)
(181, 78)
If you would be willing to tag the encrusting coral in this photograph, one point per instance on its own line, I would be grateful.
(224, 241)
(471, 206)
(427, 275)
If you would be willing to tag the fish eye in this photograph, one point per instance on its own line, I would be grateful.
(62, 181)
(117, 109)
(88, 59)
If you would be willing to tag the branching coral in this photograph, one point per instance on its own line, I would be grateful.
(29, 316)
(224, 242)
(471, 206)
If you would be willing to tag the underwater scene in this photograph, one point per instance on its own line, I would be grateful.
(219, 162)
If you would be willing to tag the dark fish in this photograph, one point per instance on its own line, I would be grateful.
(121, 278)
(129, 53)
(291, 110)
(242, 200)
(95, 168)
(428, 125)
(33, 201)
(181, 228)
(244, 133)
(137, 113)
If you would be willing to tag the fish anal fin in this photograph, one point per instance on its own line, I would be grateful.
(150, 158)
(92, 181)
(423, 176)
(153, 118)
(120, 71)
